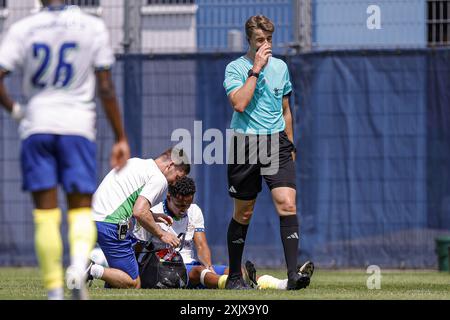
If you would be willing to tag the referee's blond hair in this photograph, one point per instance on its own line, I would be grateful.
(258, 22)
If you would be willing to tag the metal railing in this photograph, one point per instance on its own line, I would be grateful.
(189, 26)
(438, 22)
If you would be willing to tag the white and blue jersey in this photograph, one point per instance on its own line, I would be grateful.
(190, 223)
(264, 114)
(58, 49)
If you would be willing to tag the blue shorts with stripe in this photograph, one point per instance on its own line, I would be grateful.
(49, 159)
(119, 253)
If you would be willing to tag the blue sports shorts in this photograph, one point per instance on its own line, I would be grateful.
(119, 253)
(49, 159)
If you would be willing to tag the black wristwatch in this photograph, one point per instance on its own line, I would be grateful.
(252, 73)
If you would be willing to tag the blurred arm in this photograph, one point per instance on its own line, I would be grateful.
(5, 100)
(121, 150)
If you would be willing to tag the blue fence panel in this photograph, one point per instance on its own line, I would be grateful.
(372, 133)
(362, 170)
(343, 24)
(438, 139)
(363, 158)
(216, 17)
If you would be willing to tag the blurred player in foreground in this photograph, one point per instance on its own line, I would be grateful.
(131, 193)
(62, 54)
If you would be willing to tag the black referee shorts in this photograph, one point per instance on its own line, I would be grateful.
(253, 157)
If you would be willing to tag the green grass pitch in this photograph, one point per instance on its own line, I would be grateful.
(24, 283)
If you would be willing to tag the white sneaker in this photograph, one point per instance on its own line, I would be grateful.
(76, 282)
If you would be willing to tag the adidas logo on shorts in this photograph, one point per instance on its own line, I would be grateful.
(232, 190)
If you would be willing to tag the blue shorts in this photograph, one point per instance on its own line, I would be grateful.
(219, 269)
(119, 253)
(49, 159)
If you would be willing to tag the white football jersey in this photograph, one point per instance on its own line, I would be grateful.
(192, 222)
(58, 51)
(114, 199)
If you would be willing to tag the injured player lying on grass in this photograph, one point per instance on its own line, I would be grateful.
(187, 218)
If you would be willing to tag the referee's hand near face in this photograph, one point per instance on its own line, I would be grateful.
(262, 57)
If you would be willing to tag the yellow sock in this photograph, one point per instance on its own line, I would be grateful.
(222, 281)
(82, 236)
(269, 282)
(49, 248)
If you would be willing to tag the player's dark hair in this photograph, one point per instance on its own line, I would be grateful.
(179, 157)
(184, 186)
